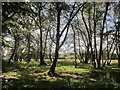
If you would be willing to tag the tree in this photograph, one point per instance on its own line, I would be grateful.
(101, 35)
(59, 8)
(9, 23)
(41, 36)
(75, 52)
(39, 19)
(16, 45)
(89, 33)
(94, 30)
(119, 36)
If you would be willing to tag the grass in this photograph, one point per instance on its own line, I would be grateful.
(22, 75)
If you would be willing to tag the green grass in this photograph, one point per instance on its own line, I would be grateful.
(30, 75)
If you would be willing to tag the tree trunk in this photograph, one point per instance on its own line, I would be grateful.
(107, 59)
(75, 53)
(42, 62)
(108, 62)
(52, 68)
(119, 37)
(28, 53)
(14, 50)
(101, 36)
(45, 44)
(95, 47)
(50, 49)
(90, 39)
(58, 35)
(89, 32)
(16, 46)
(80, 54)
(11, 57)
(86, 54)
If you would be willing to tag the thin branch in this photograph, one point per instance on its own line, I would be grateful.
(65, 36)
(51, 36)
(72, 18)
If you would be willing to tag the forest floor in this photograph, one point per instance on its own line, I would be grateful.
(22, 75)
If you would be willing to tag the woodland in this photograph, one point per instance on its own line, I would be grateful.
(60, 45)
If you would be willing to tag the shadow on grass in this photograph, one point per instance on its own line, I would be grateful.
(31, 83)
(33, 76)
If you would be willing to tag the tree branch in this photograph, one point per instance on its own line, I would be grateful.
(72, 18)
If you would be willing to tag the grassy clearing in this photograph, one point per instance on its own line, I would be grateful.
(30, 75)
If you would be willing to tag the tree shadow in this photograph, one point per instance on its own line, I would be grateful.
(26, 81)
(32, 77)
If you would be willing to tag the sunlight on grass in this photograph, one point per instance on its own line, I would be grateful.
(26, 75)
(10, 74)
(71, 69)
(40, 72)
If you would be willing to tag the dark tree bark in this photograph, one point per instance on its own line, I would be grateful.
(90, 39)
(11, 57)
(119, 37)
(14, 50)
(86, 54)
(75, 52)
(28, 53)
(89, 32)
(107, 53)
(95, 47)
(80, 53)
(101, 35)
(42, 62)
(45, 44)
(52, 68)
(108, 62)
(50, 49)
(85, 43)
